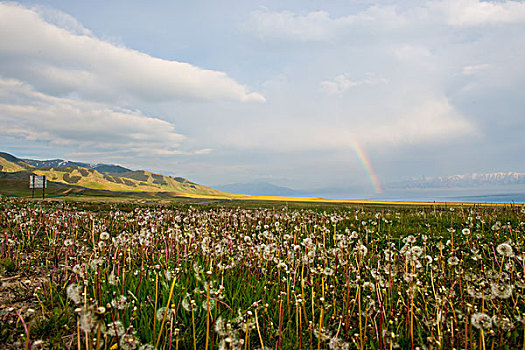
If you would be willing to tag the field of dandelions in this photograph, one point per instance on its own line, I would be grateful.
(129, 277)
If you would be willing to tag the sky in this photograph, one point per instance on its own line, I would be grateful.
(303, 94)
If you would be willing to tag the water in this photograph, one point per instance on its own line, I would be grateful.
(441, 195)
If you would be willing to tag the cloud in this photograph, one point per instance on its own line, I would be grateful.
(432, 120)
(81, 126)
(400, 122)
(342, 83)
(471, 70)
(412, 53)
(318, 25)
(61, 20)
(477, 13)
(60, 57)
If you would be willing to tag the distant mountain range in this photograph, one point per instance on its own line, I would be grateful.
(258, 189)
(100, 177)
(102, 168)
(116, 178)
(466, 180)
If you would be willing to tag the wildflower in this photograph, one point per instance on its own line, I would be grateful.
(38, 344)
(115, 329)
(465, 231)
(68, 242)
(453, 261)
(74, 292)
(220, 327)
(324, 334)
(111, 279)
(328, 271)
(481, 320)
(186, 303)
(163, 310)
(87, 320)
(416, 251)
(362, 250)
(95, 263)
(409, 239)
(505, 249)
(520, 282)
(388, 255)
(120, 302)
(77, 269)
(338, 344)
(197, 268)
(502, 322)
(104, 236)
(129, 341)
(501, 290)
(282, 265)
(205, 304)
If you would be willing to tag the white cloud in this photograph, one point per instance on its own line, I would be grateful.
(79, 125)
(61, 20)
(470, 70)
(66, 58)
(319, 25)
(411, 53)
(432, 120)
(342, 83)
(398, 122)
(476, 12)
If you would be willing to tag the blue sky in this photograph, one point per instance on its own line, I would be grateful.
(281, 91)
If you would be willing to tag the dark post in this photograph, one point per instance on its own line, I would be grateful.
(32, 186)
(44, 187)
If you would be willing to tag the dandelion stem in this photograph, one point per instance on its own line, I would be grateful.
(258, 330)
(156, 298)
(166, 311)
(193, 328)
(207, 313)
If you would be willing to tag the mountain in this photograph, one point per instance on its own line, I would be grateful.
(466, 180)
(66, 173)
(258, 189)
(55, 163)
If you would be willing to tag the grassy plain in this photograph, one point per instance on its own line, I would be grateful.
(100, 271)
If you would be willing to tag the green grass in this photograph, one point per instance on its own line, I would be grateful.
(365, 276)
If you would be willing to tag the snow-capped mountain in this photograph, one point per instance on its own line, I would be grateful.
(103, 168)
(465, 180)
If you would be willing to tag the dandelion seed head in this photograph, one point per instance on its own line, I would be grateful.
(501, 290)
(505, 249)
(481, 320)
(74, 292)
(453, 261)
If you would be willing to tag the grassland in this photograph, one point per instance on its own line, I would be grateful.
(175, 275)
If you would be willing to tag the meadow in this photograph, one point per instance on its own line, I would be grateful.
(119, 276)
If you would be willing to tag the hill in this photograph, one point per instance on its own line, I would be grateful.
(75, 176)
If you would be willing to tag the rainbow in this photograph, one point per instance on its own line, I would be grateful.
(367, 166)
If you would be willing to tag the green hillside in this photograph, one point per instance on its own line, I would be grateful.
(79, 177)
